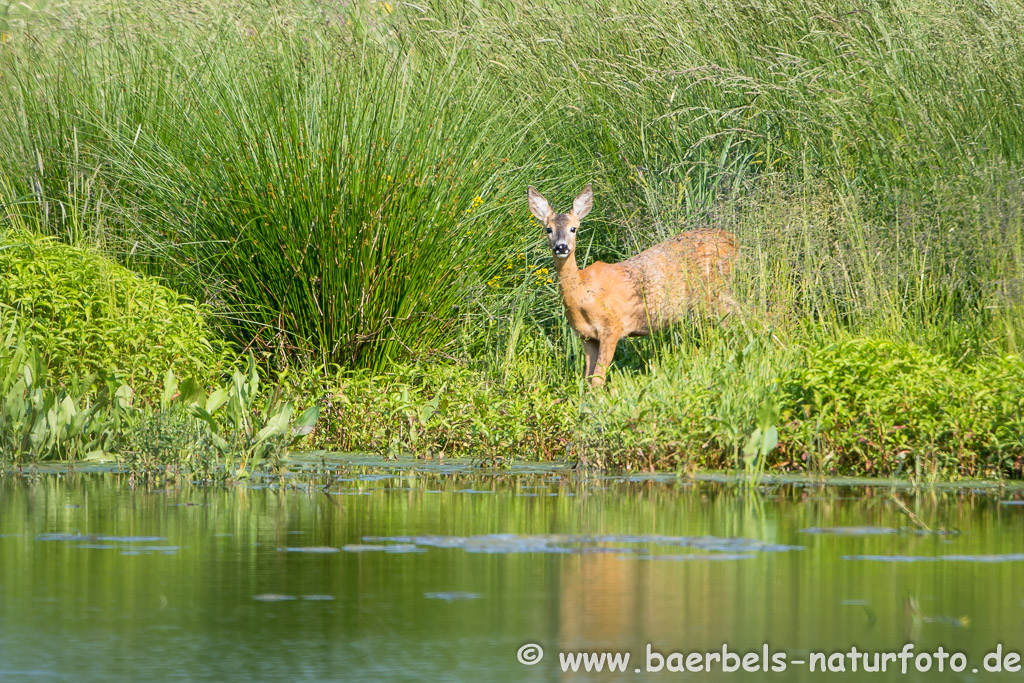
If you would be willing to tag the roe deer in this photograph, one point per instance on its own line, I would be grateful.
(605, 302)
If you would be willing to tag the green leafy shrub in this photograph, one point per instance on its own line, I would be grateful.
(86, 315)
(224, 435)
(884, 407)
(696, 406)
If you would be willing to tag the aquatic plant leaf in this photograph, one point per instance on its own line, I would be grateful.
(770, 440)
(306, 421)
(217, 399)
(170, 389)
(190, 392)
(124, 395)
(277, 425)
(202, 414)
(753, 445)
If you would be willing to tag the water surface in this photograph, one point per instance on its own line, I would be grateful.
(361, 570)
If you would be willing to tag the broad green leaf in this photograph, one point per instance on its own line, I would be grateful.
(217, 399)
(753, 444)
(98, 456)
(771, 439)
(219, 442)
(277, 425)
(124, 395)
(202, 414)
(67, 411)
(170, 389)
(767, 415)
(305, 422)
(190, 392)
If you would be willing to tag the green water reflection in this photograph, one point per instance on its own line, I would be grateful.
(408, 572)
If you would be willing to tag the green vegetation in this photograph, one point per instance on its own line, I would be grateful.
(341, 188)
(88, 316)
(39, 418)
(861, 406)
(186, 433)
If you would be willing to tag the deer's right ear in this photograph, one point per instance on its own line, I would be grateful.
(539, 206)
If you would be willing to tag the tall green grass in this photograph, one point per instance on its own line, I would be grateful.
(311, 170)
(324, 190)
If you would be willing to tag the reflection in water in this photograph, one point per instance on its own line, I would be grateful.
(419, 572)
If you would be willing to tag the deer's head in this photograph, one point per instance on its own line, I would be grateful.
(561, 227)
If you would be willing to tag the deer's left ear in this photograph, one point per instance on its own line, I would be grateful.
(582, 205)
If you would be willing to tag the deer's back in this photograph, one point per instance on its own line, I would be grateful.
(681, 273)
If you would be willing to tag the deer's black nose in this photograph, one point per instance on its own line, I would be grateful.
(561, 249)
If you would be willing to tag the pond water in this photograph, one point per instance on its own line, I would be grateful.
(363, 570)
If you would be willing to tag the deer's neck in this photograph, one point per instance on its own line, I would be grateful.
(569, 281)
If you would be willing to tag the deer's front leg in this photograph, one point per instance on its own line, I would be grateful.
(606, 352)
(590, 347)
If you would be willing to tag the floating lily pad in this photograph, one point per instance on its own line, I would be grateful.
(850, 530)
(452, 596)
(273, 597)
(891, 558)
(1009, 557)
(395, 548)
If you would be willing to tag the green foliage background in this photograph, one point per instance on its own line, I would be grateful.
(341, 186)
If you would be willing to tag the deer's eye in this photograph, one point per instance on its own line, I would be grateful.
(549, 230)
(572, 229)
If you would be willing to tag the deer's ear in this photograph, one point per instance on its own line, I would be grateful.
(582, 205)
(539, 206)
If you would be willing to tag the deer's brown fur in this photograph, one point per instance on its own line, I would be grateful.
(605, 302)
